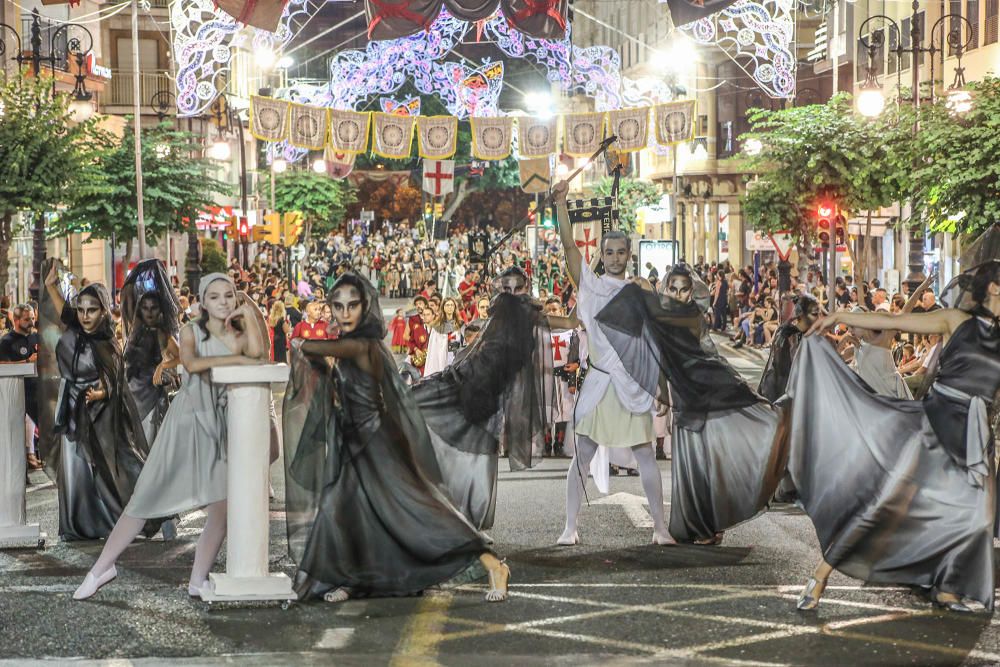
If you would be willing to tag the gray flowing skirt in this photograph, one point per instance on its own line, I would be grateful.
(723, 474)
(888, 503)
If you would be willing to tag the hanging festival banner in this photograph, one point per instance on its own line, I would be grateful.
(491, 137)
(582, 133)
(437, 137)
(263, 15)
(439, 177)
(591, 219)
(409, 107)
(536, 174)
(393, 135)
(338, 163)
(268, 118)
(349, 131)
(307, 126)
(536, 136)
(674, 122)
(631, 126)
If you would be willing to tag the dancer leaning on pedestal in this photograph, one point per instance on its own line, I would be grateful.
(366, 510)
(612, 409)
(186, 468)
(899, 491)
(97, 442)
(724, 468)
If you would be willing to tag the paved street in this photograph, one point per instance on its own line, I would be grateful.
(615, 599)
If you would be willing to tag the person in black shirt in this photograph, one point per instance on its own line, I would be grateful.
(21, 344)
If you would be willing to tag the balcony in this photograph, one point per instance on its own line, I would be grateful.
(121, 89)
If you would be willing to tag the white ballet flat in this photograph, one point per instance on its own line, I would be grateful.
(663, 540)
(496, 594)
(568, 539)
(92, 584)
(195, 591)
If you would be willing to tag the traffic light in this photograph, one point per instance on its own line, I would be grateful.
(232, 229)
(244, 228)
(531, 212)
(270, 230)
(824, 223)
(547, 218)
(840, 232)
(293, 227)
(428, 211)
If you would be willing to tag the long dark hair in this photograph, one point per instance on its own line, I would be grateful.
(985, 275)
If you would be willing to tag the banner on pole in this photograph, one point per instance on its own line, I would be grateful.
(591, 219)
(439, 177)
(536, 174)
(338, 164)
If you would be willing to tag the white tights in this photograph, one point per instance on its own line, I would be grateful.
(649, 475)
(205, 553)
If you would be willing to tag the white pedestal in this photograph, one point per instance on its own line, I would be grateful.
(14, 532)
(248, 522)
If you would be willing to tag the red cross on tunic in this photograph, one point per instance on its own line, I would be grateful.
(586, 244)
(557, 345)
(452, 336)
(438, 176)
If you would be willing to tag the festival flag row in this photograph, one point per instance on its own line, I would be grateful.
(390, 135)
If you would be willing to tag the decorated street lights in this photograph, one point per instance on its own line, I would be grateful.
(871, 101)
(63, 46)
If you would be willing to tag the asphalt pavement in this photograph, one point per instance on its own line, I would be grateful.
(614, 599)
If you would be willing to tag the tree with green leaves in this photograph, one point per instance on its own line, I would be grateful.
(44, 155)
(956, 180)
(213, 257)
(632, 194)
(823, 152)
(321, 200)
(177, 185)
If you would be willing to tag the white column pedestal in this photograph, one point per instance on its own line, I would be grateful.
(14, 532)
(248, 522)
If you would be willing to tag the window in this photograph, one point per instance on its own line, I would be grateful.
(991, 24)
(956, 24)
(892, 61)
(904, 60)
(972, 13)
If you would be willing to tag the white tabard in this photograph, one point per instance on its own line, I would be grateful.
(612, 409)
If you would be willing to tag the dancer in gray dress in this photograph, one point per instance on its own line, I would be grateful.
(187, 465)
(899, 491)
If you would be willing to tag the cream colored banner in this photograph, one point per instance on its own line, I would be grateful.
(631, 126)
(536, 137)
(674, 122)
(268, 118)
(582, 133)
(349, 131)
(307, 126)
(491, 137)
(393, 135)
(437, 137)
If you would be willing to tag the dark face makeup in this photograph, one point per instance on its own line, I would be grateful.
(89, 313)
(680, 288)
(347, 307)
(149, 311)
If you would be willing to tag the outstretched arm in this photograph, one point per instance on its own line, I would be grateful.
(574, 260)
(943, 321)
(52, 287)
(911, 303)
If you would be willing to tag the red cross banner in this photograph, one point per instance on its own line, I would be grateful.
(560, 348)
(587, 236)
(590, 219)
(439, 177)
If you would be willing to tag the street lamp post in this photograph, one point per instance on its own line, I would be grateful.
(81, 98)
(225, 115)
(871, 101)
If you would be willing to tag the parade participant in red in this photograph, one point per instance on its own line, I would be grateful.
(312, 326)
(398, 329)
(417, 337)
(468, 287)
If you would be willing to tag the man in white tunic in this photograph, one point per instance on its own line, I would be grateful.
(612, 410)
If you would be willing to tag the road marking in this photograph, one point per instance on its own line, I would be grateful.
(634, 506)
(418, 647)
(335, 638)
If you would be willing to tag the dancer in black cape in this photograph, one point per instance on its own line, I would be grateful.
(901, 491)
(150, 312)
(366, 510)
(96, 439)
(724, 469)
(495, 396)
